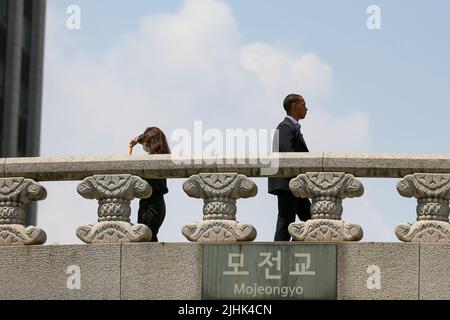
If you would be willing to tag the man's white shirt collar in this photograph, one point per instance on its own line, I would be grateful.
(292, 119)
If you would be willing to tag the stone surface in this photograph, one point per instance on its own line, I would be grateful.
(114, 193)
(219, 192)
(114, 187)
(383, 165)
(161, 271)
(386, 165)
(159, 166)
(285, 164)
(71, 168)
(43, 272)
(435, 271)
(424, 231)
(2, 167)
(327, 189)
(78, 168)
(113, 232)
(15, 194)
(174, 271)
(325, 230)
(17, 234)
(433, 194)
(218, 231)
(359, 263)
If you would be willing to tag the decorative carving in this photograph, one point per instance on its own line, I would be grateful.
(433, 194)
(114, 193)
(220, 192)
(325, 230)
(17, 234)
(219, 230)
(424, 231)
(326, 189)
(114, 232)
(15, 194)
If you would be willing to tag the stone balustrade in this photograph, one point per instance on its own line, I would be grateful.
(326, 178)
(15, 194)
(220, 192)
(326, 189)
(432, 192)
(114, 193)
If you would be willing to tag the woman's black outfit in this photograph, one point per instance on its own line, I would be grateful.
(152, 211)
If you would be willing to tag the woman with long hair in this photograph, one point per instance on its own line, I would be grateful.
(152, 210)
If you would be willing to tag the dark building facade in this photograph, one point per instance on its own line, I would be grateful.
(22, 30)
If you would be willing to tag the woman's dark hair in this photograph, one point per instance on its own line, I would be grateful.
(155, 140)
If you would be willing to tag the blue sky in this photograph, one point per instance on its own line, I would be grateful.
(368, 90)
(396, 73)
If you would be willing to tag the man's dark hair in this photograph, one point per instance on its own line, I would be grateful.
(289, 100)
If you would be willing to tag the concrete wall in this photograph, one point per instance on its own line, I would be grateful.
(174, 271)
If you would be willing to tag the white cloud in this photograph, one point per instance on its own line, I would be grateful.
(176, 68)
(279, 71)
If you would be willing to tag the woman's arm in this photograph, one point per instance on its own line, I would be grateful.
(131, 144)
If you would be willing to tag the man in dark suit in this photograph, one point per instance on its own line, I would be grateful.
(290, 140)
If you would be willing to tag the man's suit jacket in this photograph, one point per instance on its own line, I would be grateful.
(290, 140)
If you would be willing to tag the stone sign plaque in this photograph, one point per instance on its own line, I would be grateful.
(269, 271)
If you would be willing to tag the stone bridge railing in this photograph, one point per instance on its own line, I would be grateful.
(326, 178)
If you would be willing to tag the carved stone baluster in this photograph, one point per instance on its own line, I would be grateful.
(114, 193)
(15, 193)
(327, 189)
(220, 192)
(433, 194)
